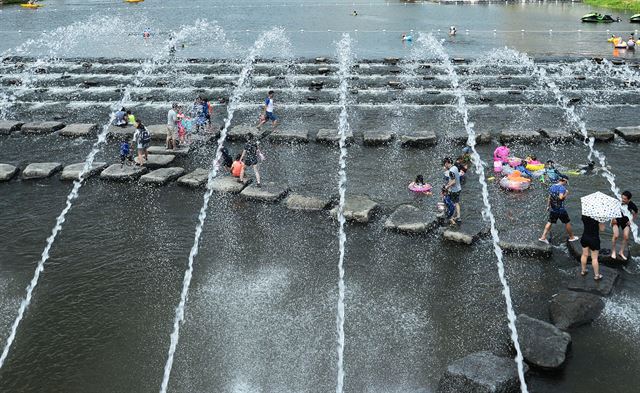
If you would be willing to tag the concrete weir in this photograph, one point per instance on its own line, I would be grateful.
(72, 171)
(41, 170)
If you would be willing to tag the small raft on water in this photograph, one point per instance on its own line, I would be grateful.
(31, 6)
(604, 257)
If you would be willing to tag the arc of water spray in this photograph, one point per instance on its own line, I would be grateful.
(147, 67)
(345, 61)
(234, 101)
(478, 164)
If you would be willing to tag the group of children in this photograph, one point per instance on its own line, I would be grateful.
(528, 167)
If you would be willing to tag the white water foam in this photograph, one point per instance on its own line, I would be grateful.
(478, 164)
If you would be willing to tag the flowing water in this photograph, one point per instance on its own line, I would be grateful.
(478, 164)
(344, 62)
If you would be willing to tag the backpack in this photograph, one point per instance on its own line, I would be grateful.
(145, 137)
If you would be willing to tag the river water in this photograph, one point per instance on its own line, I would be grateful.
(261, 311)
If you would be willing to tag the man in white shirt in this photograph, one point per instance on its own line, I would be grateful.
(172, 130)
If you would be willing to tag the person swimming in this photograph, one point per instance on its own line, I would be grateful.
(406, 37)
(418, 185)
(354, 13)
(452, 31)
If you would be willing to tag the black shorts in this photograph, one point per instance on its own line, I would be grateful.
(622, 222)
(455, 197)
(250, 162)
(590, 243)
(563, 216)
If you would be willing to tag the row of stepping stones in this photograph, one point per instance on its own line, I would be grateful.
(372, 138)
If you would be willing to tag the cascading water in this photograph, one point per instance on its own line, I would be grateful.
(345, 60)
(571, 115)
(478, 164)
(234, 101)
(146, 69)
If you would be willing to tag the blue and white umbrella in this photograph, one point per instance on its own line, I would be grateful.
(600, 207)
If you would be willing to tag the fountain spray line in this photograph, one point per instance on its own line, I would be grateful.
(486, 211)
(234, 101)
(345, 60)
(147, 67)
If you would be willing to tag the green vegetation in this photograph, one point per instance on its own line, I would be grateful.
(627, 5)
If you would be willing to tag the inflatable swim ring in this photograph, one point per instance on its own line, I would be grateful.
(514, 161)
(535, 167)
(133, 1)
(32, 6)
(423, 188)
(515, 182)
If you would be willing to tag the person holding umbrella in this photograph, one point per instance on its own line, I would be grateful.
(597, 208)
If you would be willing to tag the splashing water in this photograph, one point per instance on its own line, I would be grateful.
(513, 56)
(478, 164)
(147, 67)
(274, 35)
(345, 61)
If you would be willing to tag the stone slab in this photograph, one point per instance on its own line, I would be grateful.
(7, 172)
(378, 138)
(72, 171)
(158, 132)
(268, 192)
(119, 133)
(178, 152)
(629, 134)
(543, 345)
(413, 220)
(40, 170)
(331, 136)
(481, 372)
(569, 309)
(604, 256)
(557, 135)
(600, 134)
(586, 283)
(41, 127)
(9, 126)
(119, 172)
(533, 249)
(522, 136)
(418, 139)
(197, 178)
(458, 236)
(78, 130)
(357, 208)
(162, 176)
(307, 202)
(239, 133)
(461, 137)
(289, 136)
(155, 161)
(228, 185)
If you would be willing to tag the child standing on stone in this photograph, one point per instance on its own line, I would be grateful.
(125, 153)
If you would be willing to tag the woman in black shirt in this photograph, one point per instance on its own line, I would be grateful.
(590, 242)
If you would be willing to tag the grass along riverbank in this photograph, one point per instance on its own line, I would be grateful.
(623, 5)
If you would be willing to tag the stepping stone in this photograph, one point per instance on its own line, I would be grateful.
(378, 138)
(526, 136)
(269, 192)
(40, 170)
(570, 309)
(543, 345)
(467, 234)
(239, 133)
(42, 127)
(391, 60)
(600, 134)
(588, 284)
(394, 84)
(155, 161)
(629, 134)
(321, 59)
(557, 135)
(72, 172)
(7, 172)
(324, 70)
(604, 256)
(481, 372)
(289, 136)
(197, 178)
(537, 249)
(78, 130)
(227, 185)
(123, 173)
(458, 60)
(9, 126)
(119, 133)
(306, 202)
(179, 151)
(158, 132)
(331, 136)
(410, 219)
(357, 209)
(461, 137)
(162, 176)
(418, 139)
